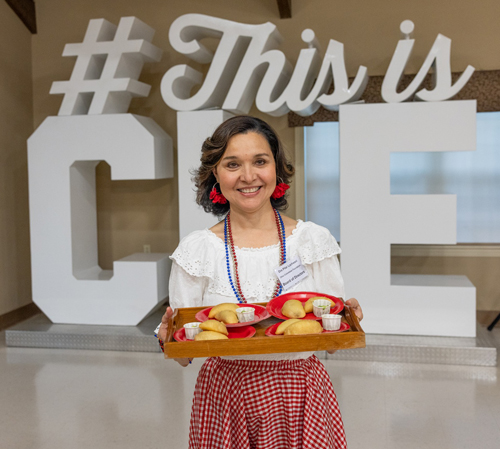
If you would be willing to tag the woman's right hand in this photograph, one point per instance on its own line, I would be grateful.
(162, 333)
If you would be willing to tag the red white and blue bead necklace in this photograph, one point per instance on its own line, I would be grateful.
(228, 240)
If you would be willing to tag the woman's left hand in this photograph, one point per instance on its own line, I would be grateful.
(356, 308)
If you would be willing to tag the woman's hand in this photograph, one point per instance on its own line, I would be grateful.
(162, 333)
(356, 308)
(183, 362)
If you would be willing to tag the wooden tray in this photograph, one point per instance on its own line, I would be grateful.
(260, 343)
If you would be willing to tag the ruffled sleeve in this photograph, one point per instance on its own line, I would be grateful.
(318, 251)
(197, 254)
(327, 276)
(193, 265)
(315, 243)
(185, 290)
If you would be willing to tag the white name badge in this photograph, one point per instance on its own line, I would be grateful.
(291, 273)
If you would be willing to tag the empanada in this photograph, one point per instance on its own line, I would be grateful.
(293, 309)
(214, 325)
(209, 335)
(304, 327)
(227, 316)
(223, 306)
(280, 330)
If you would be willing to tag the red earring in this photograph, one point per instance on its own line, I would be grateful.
(279, 190)
(217, 197)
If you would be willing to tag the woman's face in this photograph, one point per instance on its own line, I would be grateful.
(247, 172)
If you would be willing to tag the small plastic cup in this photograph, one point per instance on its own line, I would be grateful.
(321, 307)
(245, 314)
(331, 322)
(191, 330)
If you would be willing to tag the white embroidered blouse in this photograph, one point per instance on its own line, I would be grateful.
(199, 274)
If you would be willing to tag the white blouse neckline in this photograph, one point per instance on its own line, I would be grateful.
(262, 248)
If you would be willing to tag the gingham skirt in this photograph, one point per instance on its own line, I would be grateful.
(254, 404)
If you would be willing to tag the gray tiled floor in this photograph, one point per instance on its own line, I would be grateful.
(59, 398)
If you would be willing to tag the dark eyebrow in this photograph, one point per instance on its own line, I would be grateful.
(236, 157)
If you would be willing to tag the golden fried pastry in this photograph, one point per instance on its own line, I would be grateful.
(223, 306)
(209, 335)
(214, 326)
(308, 306)
(227, 316)
(293, 309)
(304, 327)
(280, 330)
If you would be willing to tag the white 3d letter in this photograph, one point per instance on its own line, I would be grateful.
(372, 219)
(304, 98)
(234, 39)
(264, 74)
(438, 57)
(109, 61)
(68, 284)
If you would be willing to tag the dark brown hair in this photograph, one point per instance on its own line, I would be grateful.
(213, 149)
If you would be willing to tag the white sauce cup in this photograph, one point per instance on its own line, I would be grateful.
(331, 322)
(245, 314)
(191, 330)
(321, 307)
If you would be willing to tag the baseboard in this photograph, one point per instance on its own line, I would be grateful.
(22, 313)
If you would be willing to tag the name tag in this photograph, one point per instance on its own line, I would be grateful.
(291, 273)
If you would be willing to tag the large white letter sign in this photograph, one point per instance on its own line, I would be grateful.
(68, 284)
(372, 218)
(438, 58)
(247, 66)
(235, 37)
(109, 61)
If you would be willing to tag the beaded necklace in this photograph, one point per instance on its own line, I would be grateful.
(228, 241)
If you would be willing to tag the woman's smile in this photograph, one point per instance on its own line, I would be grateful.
(249, 189)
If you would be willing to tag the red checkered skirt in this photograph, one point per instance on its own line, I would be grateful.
(257, 404)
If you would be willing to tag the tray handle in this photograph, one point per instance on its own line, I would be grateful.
(352, 319)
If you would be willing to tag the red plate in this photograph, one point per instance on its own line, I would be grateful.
(260, 314)
(271, 330)
(240, 332)
(274, 306)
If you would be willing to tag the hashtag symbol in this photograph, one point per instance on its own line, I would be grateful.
(109, 62)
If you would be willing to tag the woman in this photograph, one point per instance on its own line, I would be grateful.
(269, 400)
